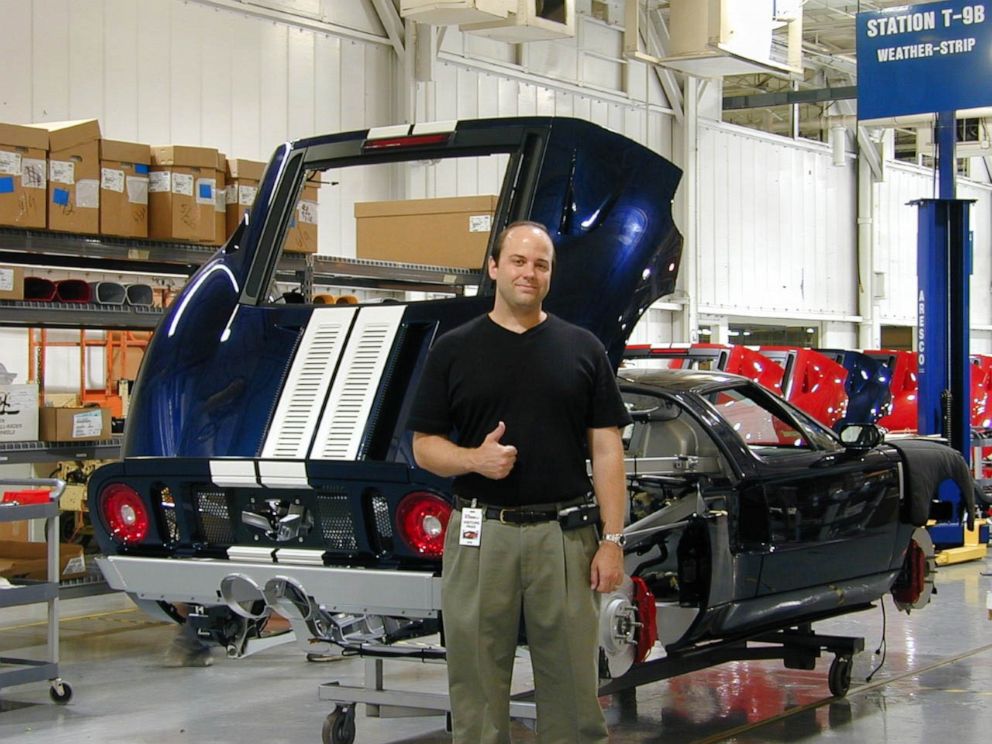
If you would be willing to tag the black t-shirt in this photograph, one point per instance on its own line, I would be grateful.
(548, 385)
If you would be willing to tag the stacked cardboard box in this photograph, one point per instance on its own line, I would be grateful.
(18, 413)
(181, 194)
(23, 176)
(11, 283)
(302, 234)
(220, 202)
(451, 231)
(124, 168)
(29, 560)
(73, 175)
(74, 424)
(243, 177)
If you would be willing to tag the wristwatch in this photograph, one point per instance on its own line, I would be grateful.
(618, 538)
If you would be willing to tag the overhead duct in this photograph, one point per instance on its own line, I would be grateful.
(713, 38)
(512, 21)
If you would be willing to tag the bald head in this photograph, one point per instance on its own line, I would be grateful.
(522, 230)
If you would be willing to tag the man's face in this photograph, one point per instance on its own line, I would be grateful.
(523, 274)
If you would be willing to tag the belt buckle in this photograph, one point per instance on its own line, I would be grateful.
(501, 513)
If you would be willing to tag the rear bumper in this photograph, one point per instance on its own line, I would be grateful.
(351, 590)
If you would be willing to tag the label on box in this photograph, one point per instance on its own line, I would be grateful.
(159, 181)
(87, 424)
(205, 188)
(182, 184)
(112, 179)
(33, 173)
(231, 194)
(6, 280)
(62, 171)
(10, 163)
(246, 195)
(308, 212)
(88, 193)
(480, 223)
(75, 565)
(220, 200)
(137, 189)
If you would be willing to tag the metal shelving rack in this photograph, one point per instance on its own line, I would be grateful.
(16, 671)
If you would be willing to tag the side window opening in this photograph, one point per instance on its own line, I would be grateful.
(431, 214)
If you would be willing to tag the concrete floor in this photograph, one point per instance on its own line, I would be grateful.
(935, 686)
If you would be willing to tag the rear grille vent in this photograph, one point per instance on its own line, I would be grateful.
(214, 515)
(168, 511)
(337, 524)
(380, 508)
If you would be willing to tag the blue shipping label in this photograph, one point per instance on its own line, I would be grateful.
(6, 185)
(141, 168)
(923, 59)
(206, 192)
(60, 197)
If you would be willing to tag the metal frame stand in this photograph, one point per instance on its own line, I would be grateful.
(22, 671)
(798, 647)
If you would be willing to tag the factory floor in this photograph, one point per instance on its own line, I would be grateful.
(935, 685)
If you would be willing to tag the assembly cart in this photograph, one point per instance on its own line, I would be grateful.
(22, 671)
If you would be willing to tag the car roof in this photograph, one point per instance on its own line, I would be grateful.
(682, 380)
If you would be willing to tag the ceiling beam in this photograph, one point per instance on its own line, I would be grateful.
(789, 97)
(392, 23)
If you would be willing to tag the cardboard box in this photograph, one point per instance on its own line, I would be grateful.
(29, 560)
(11, 282)
(14, 530)
(302, 234)
(243, 177)
(74, 424)
(452, 231)
(18, 413)
(73, 175)
(124, 168)
(23, 176)
(220, 201)
(181, 194)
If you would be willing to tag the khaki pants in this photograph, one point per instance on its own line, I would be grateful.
(546, 572)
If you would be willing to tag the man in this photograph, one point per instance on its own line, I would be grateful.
(511, 404)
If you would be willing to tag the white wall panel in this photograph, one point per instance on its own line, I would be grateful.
(122, 37)
(16, 41)
(49, 35)
(775, 225)
(895, 240)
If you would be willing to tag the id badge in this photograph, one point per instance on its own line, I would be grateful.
(471, 527)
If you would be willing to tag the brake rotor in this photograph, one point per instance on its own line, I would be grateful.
(914, 586)
(627, 625)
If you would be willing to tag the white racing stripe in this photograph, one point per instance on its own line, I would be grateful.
(346, 413)
(233, 473)
(310, 377)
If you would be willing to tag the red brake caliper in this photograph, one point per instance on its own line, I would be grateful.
(647, 633)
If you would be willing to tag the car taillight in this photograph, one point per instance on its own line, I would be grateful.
(125, 513)
(422, 519)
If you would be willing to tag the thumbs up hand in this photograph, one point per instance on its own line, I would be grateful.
(492, 459)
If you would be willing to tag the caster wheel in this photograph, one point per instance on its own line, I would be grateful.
(839, 677)
(339, 727)
(60, 692)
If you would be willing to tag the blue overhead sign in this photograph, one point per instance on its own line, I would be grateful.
(927, 58)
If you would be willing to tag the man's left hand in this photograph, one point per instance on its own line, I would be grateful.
(606, 573)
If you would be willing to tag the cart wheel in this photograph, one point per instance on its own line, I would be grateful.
(839, 677)
(60, 692)
(339, 726)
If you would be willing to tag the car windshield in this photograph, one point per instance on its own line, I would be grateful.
(765, 425)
